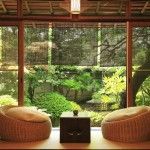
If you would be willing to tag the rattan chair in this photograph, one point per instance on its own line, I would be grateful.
(15, 130)
(127, 125)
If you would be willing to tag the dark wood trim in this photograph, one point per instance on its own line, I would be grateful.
(8, 23)
(129, 65)
(141, 24)
(128, 9)
(19, 8)
(21, 63)
(70, 19)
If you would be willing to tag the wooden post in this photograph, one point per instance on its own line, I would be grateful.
(21, 63)
(19, 8)
(128, 9)
(129, 65)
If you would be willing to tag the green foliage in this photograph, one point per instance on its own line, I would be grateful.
(37, 75)
(141, 45)
(96, 117)
(35, 34)
(140, 57)
(112, 87)
(8, 83)
(73, 46)
(67, 69)
(34, 76)
(84, 81)
(72, 84)
(9, 45)
(72, 77)
(7, 100)
(55, 104)
(87, 81)
(143, 95)
(27, 102)
(75, 106)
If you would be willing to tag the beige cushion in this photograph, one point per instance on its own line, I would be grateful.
(126, 113)
(26, 114)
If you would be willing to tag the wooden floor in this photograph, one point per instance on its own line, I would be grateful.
(97, 142)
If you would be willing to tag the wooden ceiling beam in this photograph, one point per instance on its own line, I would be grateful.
(3, 6)
(100, 5)
(68, 18)
(145, 6)
(27, 7)
(34, 25)
(66, 7)
(45, 0)
(106, 4)
(115, 25)
(51, 7)
(120, 8)
(97, 7)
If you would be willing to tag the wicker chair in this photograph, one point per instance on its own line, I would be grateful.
(127, 125)
(15, 130)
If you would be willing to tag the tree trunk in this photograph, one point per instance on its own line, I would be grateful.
(31, 91)
(139, 77)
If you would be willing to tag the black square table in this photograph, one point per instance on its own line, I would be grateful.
(75, 129)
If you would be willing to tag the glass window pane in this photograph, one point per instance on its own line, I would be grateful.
(8, 65)
(141, 65)
(96, 85)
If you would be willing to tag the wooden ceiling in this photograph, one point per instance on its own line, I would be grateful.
(59, 10)
(88, 7)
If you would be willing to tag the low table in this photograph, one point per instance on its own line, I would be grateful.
(74, 129)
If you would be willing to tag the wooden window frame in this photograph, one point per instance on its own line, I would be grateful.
(19, 20)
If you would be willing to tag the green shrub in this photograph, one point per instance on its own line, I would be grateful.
(83, 81)
(64, 68)
(111, 88)
(7, 100)
(88, 82)
(75, 106)
(96, 117)
(8, 83)
(27, 102)
(55, 104)
(72, 84)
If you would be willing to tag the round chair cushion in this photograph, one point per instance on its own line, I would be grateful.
(26, 114)
(127, 125)
(127, 113)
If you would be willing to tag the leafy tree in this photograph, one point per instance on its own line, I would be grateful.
(74, 46)
(34, 77)
(112, 52)
(9, 46)
(111, 88)
(36, 46)
(141, 49)
(143, 95)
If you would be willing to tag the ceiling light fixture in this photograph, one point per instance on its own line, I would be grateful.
(75, 6)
